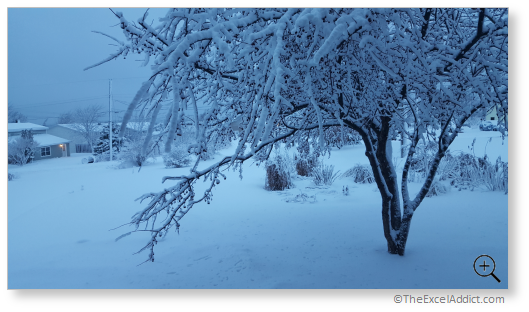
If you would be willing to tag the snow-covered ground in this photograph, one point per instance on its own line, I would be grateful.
(61, 212)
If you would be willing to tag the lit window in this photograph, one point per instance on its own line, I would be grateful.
(45, 151)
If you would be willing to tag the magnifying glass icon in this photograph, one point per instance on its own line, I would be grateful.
(484, 266)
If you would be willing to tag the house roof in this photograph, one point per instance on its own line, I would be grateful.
(97, 128)
(42, 139)
(138, 126)
(16, 127)
(48, 139)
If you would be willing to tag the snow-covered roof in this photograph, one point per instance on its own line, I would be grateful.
(48, 139)
(74, 127)
(138, 126)
(42, 139)
(15, 127)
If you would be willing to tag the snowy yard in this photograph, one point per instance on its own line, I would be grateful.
(61, 212)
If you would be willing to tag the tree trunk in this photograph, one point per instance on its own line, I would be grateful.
(402, 237)
(392, 242)
(396, 225)
(396, 234)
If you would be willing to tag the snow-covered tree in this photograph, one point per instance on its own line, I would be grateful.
(66, 118)
(86, 123)
(21, 149)
(280, 75)
(102, 145)
(13, 115)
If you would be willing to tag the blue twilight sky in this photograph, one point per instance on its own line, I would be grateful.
(48, 48)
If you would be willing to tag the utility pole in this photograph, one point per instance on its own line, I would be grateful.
(110, 115)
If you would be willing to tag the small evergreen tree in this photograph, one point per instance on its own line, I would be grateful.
(102, 147)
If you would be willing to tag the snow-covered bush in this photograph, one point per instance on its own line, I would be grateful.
(437, 188)
(10, 176)
(305, 164)
(495, 177)
(21, 149)
(466, 171)
(278, 174)
(178, 157)
(138, 146)
(132, 152)
(360, 174)
(302, 198)
(324, 174)
(132, 158)
(289, 162)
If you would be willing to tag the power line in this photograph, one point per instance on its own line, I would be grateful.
(64, 102)
(70, 82)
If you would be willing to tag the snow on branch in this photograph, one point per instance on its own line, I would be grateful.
(265, 75)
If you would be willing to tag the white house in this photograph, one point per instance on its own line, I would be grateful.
(50, 146)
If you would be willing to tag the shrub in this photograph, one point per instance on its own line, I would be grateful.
(10, 176)
(324, 174)
(302, 198)
(437, 188)
(132, 153)
(21, 149)
(177, 158)
(131, 158)
(360, 174)
(466, 171)
(494, 177)
(277, 174)
(305, 165)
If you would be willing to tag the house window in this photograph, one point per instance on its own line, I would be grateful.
(45, 151)
(491, 118)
